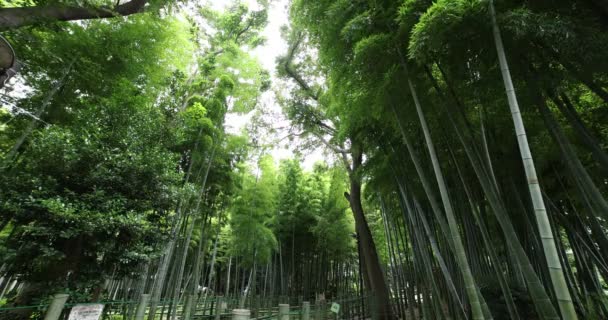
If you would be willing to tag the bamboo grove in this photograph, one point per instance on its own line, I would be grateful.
(481, 127)
(465, 177)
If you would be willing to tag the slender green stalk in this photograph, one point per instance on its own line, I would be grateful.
(459, 252)
(555, 268)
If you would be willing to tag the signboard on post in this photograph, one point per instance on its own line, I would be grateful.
(86, 312)
(335, 308)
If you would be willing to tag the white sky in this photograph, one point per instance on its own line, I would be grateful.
(275, 46)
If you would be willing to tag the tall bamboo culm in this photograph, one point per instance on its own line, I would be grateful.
(558, 280)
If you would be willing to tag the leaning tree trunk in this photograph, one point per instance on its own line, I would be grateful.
(368, 248)
(546, 234)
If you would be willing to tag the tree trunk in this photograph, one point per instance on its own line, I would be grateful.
(553, 262)
(471, 287)
(368, 248)
(536, 289)
(227, 289)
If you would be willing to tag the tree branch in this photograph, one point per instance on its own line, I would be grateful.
(343, 153)
(291, 72)
(23, 16)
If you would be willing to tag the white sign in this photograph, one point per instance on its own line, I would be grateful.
(86, 312)
(335, 308)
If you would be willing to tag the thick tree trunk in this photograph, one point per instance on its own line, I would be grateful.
(11, 18)
(368, 248)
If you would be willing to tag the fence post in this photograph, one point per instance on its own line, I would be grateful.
(54, 310)
(144, 299)
(283, 311)
(241, 314)
(305, 310)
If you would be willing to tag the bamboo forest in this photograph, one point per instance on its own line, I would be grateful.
(303, 159)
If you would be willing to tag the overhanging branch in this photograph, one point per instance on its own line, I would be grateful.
(22, 16)
(291, 72)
